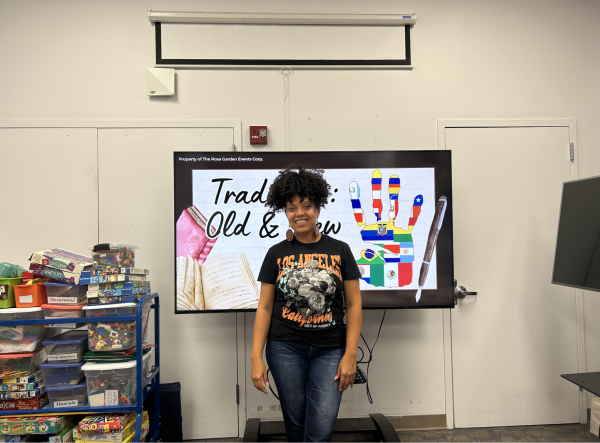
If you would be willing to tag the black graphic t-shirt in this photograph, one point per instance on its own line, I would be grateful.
(308, 279)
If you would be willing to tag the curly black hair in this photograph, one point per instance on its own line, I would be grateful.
(301, 180)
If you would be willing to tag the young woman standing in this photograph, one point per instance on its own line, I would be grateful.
(305, 281)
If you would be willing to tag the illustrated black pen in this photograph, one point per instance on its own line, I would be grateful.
(434, 230)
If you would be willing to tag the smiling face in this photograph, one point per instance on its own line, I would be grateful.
(302, 215)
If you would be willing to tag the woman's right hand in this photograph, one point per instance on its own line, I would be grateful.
(259, 375)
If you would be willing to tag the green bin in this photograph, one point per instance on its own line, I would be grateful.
(7, 292)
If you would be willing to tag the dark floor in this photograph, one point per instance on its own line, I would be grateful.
(545, 433)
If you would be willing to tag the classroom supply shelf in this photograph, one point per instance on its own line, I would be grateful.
(145, 386)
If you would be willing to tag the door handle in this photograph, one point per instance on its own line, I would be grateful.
(461, 292)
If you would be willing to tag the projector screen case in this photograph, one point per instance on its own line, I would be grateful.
(223, 228)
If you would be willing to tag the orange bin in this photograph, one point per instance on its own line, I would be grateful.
(29, 296)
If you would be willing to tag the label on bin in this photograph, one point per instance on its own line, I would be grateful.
(71, 356)
(26, 298)
(111, 397)
(63, 325)
(62, 300)
(65, 403)
(4, 292)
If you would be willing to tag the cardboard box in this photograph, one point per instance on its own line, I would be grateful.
(55, 274)
(36, 376)
(101, 424)
(15, 395)
(62, 260)
(64, 436)
(115, 437)
(20, 405)
(21, 386)
(119, 285)
(35, 424)
(111, 278)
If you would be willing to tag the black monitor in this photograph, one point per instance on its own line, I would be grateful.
(577, 256)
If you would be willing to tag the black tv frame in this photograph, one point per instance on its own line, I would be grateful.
(440, 160)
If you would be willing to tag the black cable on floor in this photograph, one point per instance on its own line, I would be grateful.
(368, 362)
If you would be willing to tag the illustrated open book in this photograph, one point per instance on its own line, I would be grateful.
(224, 281)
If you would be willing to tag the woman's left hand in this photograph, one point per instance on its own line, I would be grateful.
(346, 371)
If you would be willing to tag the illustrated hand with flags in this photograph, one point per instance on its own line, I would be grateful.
(391, 263)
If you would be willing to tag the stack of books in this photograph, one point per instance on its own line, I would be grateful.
(114, 277)
(116, 428)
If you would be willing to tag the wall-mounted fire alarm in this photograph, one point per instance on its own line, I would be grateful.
(258, 135)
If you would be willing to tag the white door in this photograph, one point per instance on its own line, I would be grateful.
(512, 341)
(136, 207)
(49, 189)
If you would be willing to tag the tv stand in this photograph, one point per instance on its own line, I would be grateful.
(377, 424)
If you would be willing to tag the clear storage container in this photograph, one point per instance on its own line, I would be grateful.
(117, 309)
(21, 338)
(60, 374)
(111, 384)
(68, 347)
(63, 312)
(20, 365)
(21, 314)
(65, 294)
(108, 336)
(68, 396)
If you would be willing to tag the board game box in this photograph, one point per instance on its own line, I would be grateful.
(63, 260)
(111, 278)
(119, 285)
(30, 403)
(100, 424)
(35, 424)
(55, 274)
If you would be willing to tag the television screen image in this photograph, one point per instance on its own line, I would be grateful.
(577, 256)
(393, 209)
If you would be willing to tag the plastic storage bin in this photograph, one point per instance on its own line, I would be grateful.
(111, 384)
(20, 365)
(21, 338)
(67, 396)
(65, 294)
(146, 364)
(108, 336)
(21, 314)
(63, 312)
(69, 347)
(61, 374)
(7, 291)
(28, 296)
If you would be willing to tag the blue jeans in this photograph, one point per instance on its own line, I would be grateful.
(309, 396)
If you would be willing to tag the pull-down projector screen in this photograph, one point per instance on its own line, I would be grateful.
(393, 208)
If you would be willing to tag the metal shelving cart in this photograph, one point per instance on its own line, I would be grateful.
(149, 386)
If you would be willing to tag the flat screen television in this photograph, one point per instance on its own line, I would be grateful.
(577, 255)
(393, 208)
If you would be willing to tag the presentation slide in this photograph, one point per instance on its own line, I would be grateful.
(391, 208)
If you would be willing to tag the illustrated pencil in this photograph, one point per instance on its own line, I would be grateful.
(434, 231)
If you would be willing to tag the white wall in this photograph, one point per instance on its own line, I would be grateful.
(474, 59)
